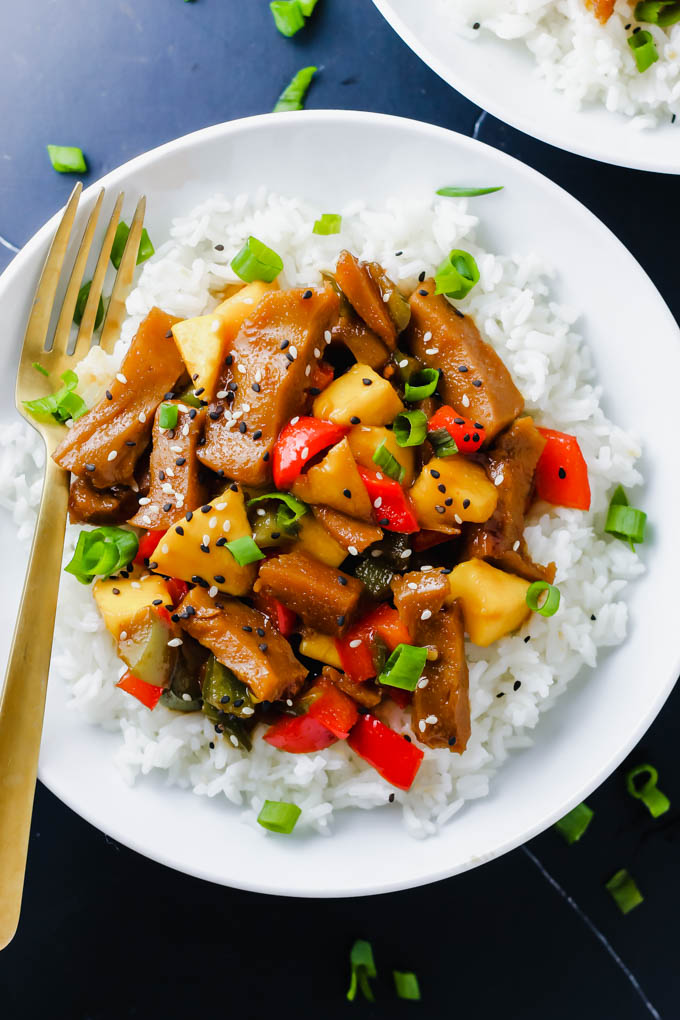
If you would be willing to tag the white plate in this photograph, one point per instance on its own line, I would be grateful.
(500, 77)
(329, 157)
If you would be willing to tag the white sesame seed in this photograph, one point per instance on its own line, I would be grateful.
(355, 643)
(215, 325)
(212, 592)
(308, 370)
(164, 548)
(423, 682)
(377, 503)
(426, 614)
(123, 635)
(421, 725)
(212, 523)
(69, 423)
(379, 475)
(245, 408)
(289, 702)
(327, 336)
(247, 300)
(112, 455)
(183, 409)
(292, 350)
(175, 642)
(220, 506)
(153, 508)
(166, 487)
(234, 740)
(465, 400)
(135, 584)
(261, 512)
(427, 567)
(404, 363)
(295, 420)
(458, 520)
(186, 697)
(176, 449)
(241, 369)
(179, 500)
(247, 710)
(226, 526)
(432, 350)
(146, 519)
(221, 394)
(375, 553)
(499, 479)
(387, 296)
(352, 550)
(305, 452)
(405, 553)
(142, 417)
(170, 473)
(185, 429)
(412, 585)
(258, 376)
(144, 501)
(432, 720)
(515, 546)
(206, 540)
(317, 352)
(427, 337)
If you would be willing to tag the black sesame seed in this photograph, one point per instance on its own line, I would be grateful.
(192, 413)
(501, 694)
(109, 395)
(290, 356)
(255, 387)
(462, 368)
(466, 437)
(242, 427)
(475, 437)
(130, 442)
(347, 493)
(219, 578)
(89, 467)
(225, 699)
(175, 617)
(314, 391)
(257, 434)
(205, 548)
(167, 507)
(421, 276)
(221, 541)
(206, 509)
(229, 360)
(391, 798)
(477, 383)
(441, 487)
(232, 386)
(161, 476)
(188, 515)
(265, 456)
(459, 421)
(593, 617)
(284, 344)
(263, 646)
(276, 534)
(367, 382)
(527, 639)
(448, 502)
(238, 702)
(517, 684)
(259, 631)
(248, 630)
(219, 247)
(116, 591)
(384, 521)
(180, 461)
(354, 420)
(398, 253)
(407, 738)
(124, 573)
(466, 504)
(423, 293)
(234, 487)
(435, 474)
(562, 473)
(440, 509)
(214, 415)
(307, 294)
(194, 377)
(458, 313)
(452, 741)
(211, 745)
(168, 334)
(179, 529)
(340, 620)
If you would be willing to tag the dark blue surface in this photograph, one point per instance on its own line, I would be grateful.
(107, 934)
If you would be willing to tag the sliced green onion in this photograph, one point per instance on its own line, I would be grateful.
(289, 513)
(575, 823)
(61, 405)
(190, 398)
(388, 463)
(421, 384)
(288, 16)
(623, 520)
(102, 552)
(308, 6)
(67, 159)
(167, 416)
(293, 96)
(658, 12)
(552, 600)
(656, 802)
(644, 50)
(278, 816)
(406, 985)
(363, 968)
(256, 261)
(466, 192)
(81, 301)
(624, 891)
(456, 275)
(404, 667)
(443, 443)
(245, 550)
(145, 251)
(410, 428)
(329, 223)
(39, 368)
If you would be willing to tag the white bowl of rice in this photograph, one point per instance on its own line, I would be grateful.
(552, 69)
(593, 349)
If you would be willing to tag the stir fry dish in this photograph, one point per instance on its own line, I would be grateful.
(303, 501)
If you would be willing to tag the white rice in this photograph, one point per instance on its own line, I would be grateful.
(588, 62)
(551, 366)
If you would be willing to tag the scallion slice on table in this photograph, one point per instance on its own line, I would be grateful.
(404, 667)
(363, 968)
(624, 891)
(279, 816)
(245, 550)
(456, 275)
(410, 428)
(421, 384)
(623, 520)
(466, 192)
(443, 443)
(61, 405)
(145, 251)
(328, 223)
(575, 823)
(67, 159)
(256, 261)
(289, 513)
(102, 552)
(406, 985)
(656, 802)
(293, 96)
(388, 463)
(39, 368)
(81, 301)
(168, 415)
(658, 12)
(307, 6)
(551, 603)
(644, 50)
(288, 16)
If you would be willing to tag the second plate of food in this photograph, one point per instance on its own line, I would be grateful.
(407, 432)
(586, 77)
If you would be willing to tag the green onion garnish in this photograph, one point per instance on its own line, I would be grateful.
(656, 802)
(308, 6)
(278, 816)
(81, 301)
(466, 192)
(443, 443)
(406, 985)
(329, 223)
(190, 398)
(61, 405)
(404, 667)
(457, 274)
(552, 600)
(67, 159)
(388, 463)
(658, 12)
(363, 968)
(421, 384)
(245, 550)
(256, 261)
(39, 368)
(288, 16)
(624, 891)
(289, 513)
(145, 251)
(167, 417)
(575, 823)
(293, 96)
(623, 520)
(410, 428)
(644, 50)
(102, 552)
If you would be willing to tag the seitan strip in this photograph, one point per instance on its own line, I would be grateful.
(347, 531)
(325, 598)
(365, 694)
(87, 505)
(441, 709)
(418, 593)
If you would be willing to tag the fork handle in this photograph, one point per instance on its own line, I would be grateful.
(23, 699)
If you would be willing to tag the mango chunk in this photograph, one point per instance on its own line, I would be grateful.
(493, 602)
(316, 542)
(320, 647)
(373, 402)
(335, 482)
(134, 593)
(450, 490)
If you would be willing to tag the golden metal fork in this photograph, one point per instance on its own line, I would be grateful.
(23, 698)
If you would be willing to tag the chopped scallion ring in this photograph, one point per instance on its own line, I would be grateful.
(656, 802)
(388, 463)
(624, 521)
(466, 192)
(410, 428)
(443, 443)
(279, 816)
(289, 513)
(102, 552)
(575, 823)
(145, 251)
(168, 415)
(457, 274)
(288, 16)
(551, 602)
(363, 968)
(421, 384)
(67, 159)
(329, 223)
(256, 261)
(404, 667)
(39, 368)
(61, 405)
(658, 12)
(644, 50)
(81, 301)
(293, 96)
(245, 550)
(624, 891)
(308, 6)
(406, 985)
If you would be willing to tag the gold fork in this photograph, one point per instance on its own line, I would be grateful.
(23, 698)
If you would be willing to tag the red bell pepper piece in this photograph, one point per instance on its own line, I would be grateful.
(148, 694)
(383, 622)
(562, 473)
(394, 511)
(333, 709)
(468, 435)
(177, 590)
(398, 695)
(299, 734)
(299, 441)
(394, 757)
(147, 545)
(322, 376)
(283, 618)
